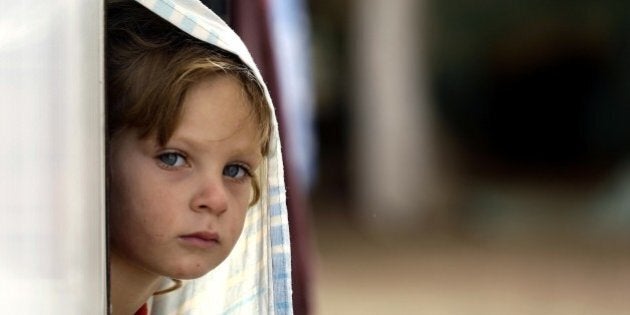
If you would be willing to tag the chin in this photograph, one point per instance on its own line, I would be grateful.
(191, 271)
(188, 274)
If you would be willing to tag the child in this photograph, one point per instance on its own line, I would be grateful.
(193, 163)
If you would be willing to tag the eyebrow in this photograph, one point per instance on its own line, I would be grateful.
(199, 144)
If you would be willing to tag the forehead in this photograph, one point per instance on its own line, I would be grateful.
(216, 109)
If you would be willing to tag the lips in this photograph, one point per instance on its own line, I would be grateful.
(203, 240)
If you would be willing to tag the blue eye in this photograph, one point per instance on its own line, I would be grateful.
(235, 171)
(172, 159)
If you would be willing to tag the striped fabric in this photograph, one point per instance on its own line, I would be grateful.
(256, 277)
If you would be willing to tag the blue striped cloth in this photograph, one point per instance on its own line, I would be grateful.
(256, 277)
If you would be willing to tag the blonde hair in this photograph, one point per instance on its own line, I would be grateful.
(150, 65)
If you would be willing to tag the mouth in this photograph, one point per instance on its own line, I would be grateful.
(203, 240)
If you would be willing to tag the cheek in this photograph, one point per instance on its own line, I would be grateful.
(143, 206)
(242, 193)
(118, 200)
(122, 208)
(242, 196)
(139, 208)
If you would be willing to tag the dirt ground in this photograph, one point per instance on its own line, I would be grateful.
(357, 274)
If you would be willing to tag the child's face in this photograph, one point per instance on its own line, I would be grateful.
(178, 210)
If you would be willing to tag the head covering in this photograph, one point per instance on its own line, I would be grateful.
(256, 276)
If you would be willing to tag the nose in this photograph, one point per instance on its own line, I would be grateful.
(211, 195)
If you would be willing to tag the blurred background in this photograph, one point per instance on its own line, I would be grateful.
(471, 157)
(443, 157)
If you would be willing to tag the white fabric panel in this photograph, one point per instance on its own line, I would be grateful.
(52, 223)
